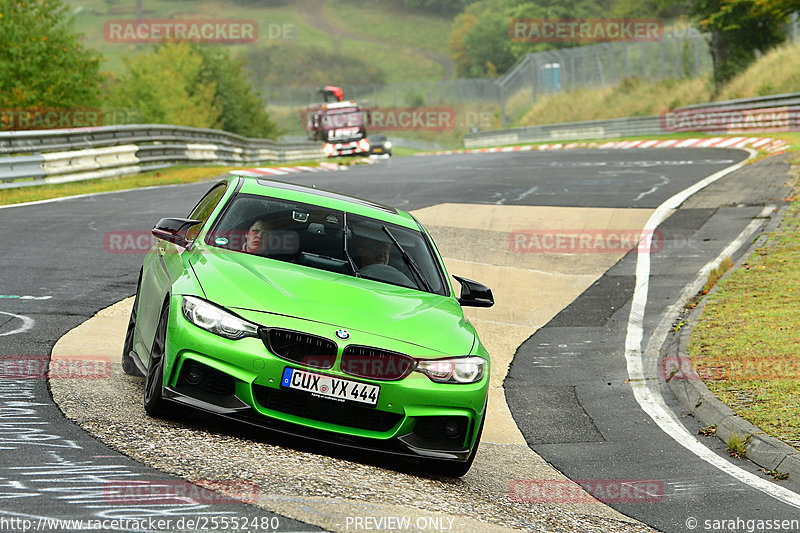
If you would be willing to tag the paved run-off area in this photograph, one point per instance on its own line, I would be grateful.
(328, 487)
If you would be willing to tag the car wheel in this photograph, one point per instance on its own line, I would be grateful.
(453, 469)
(154, 402)
(128, 365)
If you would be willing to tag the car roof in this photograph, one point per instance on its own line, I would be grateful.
(325, 198)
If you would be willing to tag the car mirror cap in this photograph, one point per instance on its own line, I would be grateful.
(474, 294)
(174, 230)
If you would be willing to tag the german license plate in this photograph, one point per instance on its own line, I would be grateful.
(330, 387)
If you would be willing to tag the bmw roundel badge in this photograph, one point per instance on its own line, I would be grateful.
(342, 334)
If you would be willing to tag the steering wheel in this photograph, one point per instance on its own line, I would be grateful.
(386, 273)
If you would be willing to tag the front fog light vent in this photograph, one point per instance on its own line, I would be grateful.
(441, 428)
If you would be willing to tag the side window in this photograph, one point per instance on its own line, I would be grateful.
(205, 207)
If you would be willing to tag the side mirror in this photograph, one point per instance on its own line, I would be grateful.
(174, 230)
(474, 293)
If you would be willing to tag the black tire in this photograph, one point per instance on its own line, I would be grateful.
(128, 364)
(456, 469)
(154, 402)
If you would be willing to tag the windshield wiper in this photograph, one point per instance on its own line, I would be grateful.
(347, 255)
(408, 260)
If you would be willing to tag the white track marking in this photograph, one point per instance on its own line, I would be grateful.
(526, 193)
(652, 403)
(27, 323)
(88, 195)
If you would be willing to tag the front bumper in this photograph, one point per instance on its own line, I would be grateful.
(402, 446)
(241, 380)
(333, 149)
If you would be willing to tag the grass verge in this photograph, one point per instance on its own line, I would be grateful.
(167, 176)
(745, 343)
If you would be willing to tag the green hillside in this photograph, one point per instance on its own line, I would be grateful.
(365, 41)
(776, 72)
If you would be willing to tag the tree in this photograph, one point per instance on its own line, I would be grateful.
(480, 39)
(461, 26)
(242, 111)
(191, 85)
(42, 61)
(740, 29)
(480, 42)
(168, 86)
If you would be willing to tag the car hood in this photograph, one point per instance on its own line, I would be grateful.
(240, 281)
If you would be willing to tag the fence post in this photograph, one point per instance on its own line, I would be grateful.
(696, 56)
(503, 106)
(627, 60)
(585, 65)
(600, 72)
(644, 61)
(532, 77)
(612, 55)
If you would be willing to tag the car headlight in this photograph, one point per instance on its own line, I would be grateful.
(453, 369)
(217, 320)
(387, 144)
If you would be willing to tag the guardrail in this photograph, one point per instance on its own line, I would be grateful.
(53, 156)
(746, 115)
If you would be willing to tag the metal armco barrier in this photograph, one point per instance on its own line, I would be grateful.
(784, 116)
(54, 156)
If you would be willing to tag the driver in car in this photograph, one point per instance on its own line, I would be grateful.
(373, 252)
(373, 258)
(257, 237)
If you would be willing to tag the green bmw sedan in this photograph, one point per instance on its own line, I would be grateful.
(311, 313)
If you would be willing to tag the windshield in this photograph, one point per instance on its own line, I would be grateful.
(327, 239)
(342, 118)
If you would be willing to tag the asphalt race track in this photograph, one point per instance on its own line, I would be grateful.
(567, 387)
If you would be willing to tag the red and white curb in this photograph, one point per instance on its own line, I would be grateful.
(325, 166)
(767, 144)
